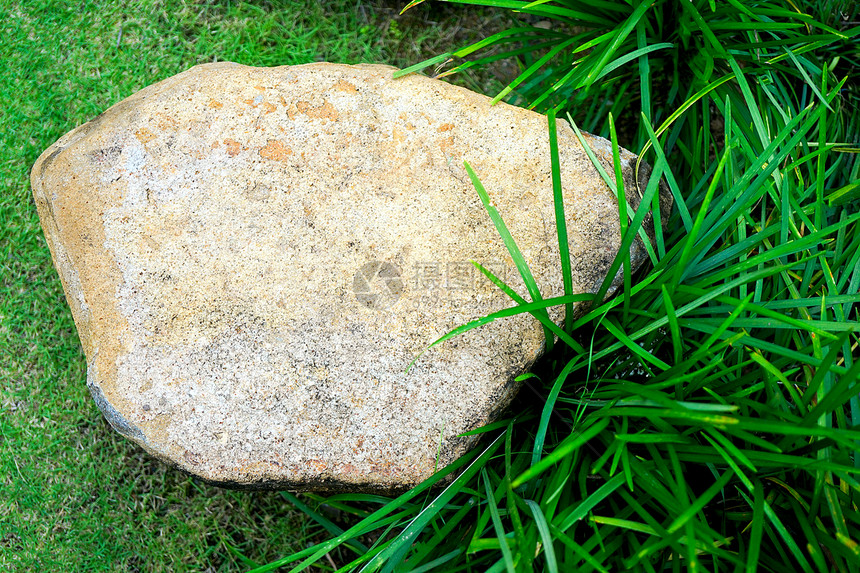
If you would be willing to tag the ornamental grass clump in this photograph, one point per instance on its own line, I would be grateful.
(707, 417)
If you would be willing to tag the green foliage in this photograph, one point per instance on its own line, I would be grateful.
(707, 418)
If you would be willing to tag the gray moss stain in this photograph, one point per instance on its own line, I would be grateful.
(48, 160)
(111, 414)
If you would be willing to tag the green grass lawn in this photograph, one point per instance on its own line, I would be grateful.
(705, 419)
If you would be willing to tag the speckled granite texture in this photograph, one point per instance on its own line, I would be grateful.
(253, 256)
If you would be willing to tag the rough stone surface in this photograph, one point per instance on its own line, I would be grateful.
(253, 256)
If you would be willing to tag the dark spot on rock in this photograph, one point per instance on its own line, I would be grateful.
(48, 160)
(105, 155)
(111, 414)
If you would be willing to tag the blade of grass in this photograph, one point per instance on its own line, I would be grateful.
(545, 535)
(513, 249)
(560, 220)
(497, 524)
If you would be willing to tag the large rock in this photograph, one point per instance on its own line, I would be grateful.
(254, 256)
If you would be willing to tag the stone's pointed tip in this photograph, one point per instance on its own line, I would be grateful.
(253, 257)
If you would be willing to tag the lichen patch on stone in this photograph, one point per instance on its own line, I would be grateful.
(275, 150)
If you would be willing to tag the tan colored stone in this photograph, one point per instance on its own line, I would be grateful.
(253, 257)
